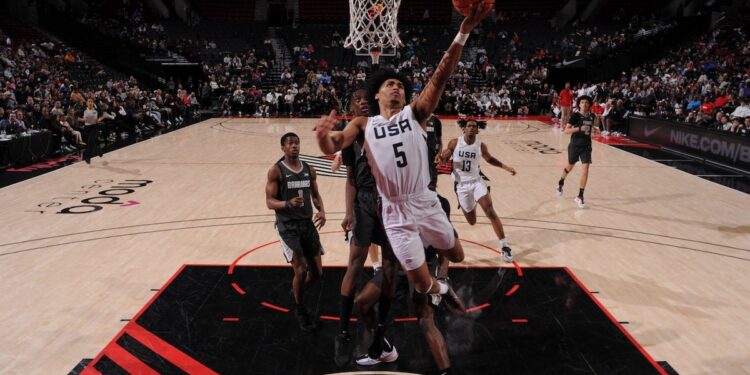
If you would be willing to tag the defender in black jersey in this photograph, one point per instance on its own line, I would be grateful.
(580, 127)
(292, 190)
(362, 218)
(434, 131)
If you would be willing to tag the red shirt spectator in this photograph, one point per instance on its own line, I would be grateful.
(566, 98)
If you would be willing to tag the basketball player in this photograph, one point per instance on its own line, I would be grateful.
(466, 152)
(580, 127)
(363, 220)
(424, 309)
(292, 190)
(397, 153)
(434, 131)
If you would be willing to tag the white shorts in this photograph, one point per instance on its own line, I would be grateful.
(469, 193)
(413, 223)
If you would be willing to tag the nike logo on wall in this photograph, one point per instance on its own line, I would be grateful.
(648, 133)
(566, 63)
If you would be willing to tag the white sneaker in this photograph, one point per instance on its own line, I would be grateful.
(579, 201)
(558, 190)
(605, 133)
(391, 356)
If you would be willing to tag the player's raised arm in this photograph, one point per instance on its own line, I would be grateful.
(332, 141)
(428, 100)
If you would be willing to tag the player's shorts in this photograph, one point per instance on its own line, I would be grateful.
(469, 193)
(299, 237)
(414, 222)
(576, 153)
(367, 227)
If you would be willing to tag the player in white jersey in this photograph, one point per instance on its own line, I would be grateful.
(466, 152)
(395, 141)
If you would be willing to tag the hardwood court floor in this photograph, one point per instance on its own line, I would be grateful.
(667, 252)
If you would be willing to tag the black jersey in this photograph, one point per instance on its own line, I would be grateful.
(355, 157)
(434, 134)
(294, 184)
(581, 138)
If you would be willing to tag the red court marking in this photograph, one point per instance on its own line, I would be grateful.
(512, 290)
(234, 263)
(90, 370)
(403, 320)
(615, 322)
(238, 289)
(272, 306)
(519, 271)
(231, 319)
(135, 318)
(127, 361)
(476, 308)
(519, 320)
(170, 353)
(480, 245)
(335, 318)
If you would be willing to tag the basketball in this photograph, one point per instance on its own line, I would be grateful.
(464, 6)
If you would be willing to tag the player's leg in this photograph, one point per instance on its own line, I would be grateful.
(432, 334)
(374, 254)
(485, 201)
(363, 225)
(573, 156)
(585, 156)
(380, 289)
(300, 268)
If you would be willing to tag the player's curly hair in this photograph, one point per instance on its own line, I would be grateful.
(481, 124)
(377, 79)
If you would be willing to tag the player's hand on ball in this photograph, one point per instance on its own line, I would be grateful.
(319, 220)
(479, 12)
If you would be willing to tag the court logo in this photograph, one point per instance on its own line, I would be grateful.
(94, 197)
(323, 165)
(533, 146)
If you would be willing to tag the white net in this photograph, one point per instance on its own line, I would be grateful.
(373, 25)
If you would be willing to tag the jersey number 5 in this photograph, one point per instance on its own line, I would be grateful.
(400, 155)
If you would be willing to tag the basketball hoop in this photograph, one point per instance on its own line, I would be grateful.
(373, 28)
(375, 55)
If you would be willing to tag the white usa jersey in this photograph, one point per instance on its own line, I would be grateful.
(466, 160)
(397, 149)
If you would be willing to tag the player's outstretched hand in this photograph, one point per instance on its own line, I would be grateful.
(479, 11)
(325, 125)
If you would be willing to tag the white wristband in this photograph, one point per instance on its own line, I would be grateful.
(461, 38)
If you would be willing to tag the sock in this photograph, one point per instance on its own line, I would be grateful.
(580, 193)
(504, 242)
(384, 307)
(561, 182)
(443, 287)
(346, 312)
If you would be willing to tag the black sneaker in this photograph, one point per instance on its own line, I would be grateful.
(303, 318)
(452, 300)
(343, 349)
